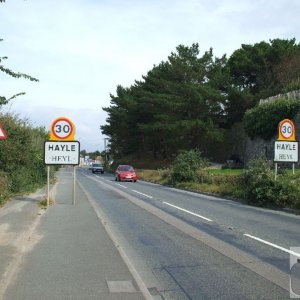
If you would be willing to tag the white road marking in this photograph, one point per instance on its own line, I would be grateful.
(189, 212)
(272, 245)
(125, 187)
(142, 194)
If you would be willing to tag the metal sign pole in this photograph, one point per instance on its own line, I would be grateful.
(293, 168)
(48, 186)
(275, 171)
(74, 184)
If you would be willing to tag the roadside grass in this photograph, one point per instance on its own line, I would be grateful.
(225, 171)
(6, 192)
(290, 171)
(215, 189)
(43, 203)
(254, 185)
(212, 181)
(155, 176)
(229, 183)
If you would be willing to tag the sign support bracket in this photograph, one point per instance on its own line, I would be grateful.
(74, 184)
(48, 186)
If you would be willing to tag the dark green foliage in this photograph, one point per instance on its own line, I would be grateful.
(180, 104)
(259, 183)
(186, 165)
(262, 120)
(21, 156)
(261, 189)
(254, 68)
(287, 72)
(191, 101)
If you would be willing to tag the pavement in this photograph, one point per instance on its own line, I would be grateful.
(63, 252)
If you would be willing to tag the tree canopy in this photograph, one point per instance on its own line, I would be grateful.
(190, 100)
(258, 69)
(5, 100)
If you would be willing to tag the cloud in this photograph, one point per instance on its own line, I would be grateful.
(82, 49)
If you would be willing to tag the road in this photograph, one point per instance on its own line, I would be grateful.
(190, 246)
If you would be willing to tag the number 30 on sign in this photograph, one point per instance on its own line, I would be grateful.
(286, 130)
(62, 129)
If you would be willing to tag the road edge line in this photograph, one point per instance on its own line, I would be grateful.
(249, 261)
(101, 216)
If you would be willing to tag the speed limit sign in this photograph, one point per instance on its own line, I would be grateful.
(286, 130)
(62, 129)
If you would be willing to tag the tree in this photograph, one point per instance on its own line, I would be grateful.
(287, 72)
(189, 101)
(179, 104)
(188, 93)
(4, 100)
(121, 125)
(253, 67)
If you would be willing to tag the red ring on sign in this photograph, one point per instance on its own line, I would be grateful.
(292, 126)
(67, 121)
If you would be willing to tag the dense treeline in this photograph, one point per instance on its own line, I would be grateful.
(190, 101)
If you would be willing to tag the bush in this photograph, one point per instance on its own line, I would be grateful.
(261, 188)
(262, 120)
(186, 165)
(21, 157)
(288, 191)
(4, 191)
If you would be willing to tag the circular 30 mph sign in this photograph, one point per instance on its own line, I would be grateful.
(286, 130)
(62, 129)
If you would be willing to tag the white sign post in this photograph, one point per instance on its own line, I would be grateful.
(62, 149)
(62, 153)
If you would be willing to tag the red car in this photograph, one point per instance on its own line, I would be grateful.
(125, 173)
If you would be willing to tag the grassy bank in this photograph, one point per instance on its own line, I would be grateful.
(222, 182)
(255, 186)
(12, 185)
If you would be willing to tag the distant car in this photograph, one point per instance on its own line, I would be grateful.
(97, 168)
(125, 173)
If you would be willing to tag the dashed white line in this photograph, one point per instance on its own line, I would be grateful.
(125, 187)
(142, 194)
(272, 245)
(189, 212)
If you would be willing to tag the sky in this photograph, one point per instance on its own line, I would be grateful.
(80, 50)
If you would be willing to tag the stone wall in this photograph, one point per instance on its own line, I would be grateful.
(259, 148)
(294, 95)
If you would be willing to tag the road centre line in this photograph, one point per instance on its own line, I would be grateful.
(125, 187)
(189, 212)
(272, 245)
(142, 194)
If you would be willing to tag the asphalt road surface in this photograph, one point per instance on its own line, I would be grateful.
(190, 246)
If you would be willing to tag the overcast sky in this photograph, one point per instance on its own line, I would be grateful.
(80, 50)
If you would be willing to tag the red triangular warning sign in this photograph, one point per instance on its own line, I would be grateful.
(3, 134)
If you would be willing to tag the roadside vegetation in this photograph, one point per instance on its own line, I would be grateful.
(199, 101)
(255, 185)
(193, 101)
(22, 168)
